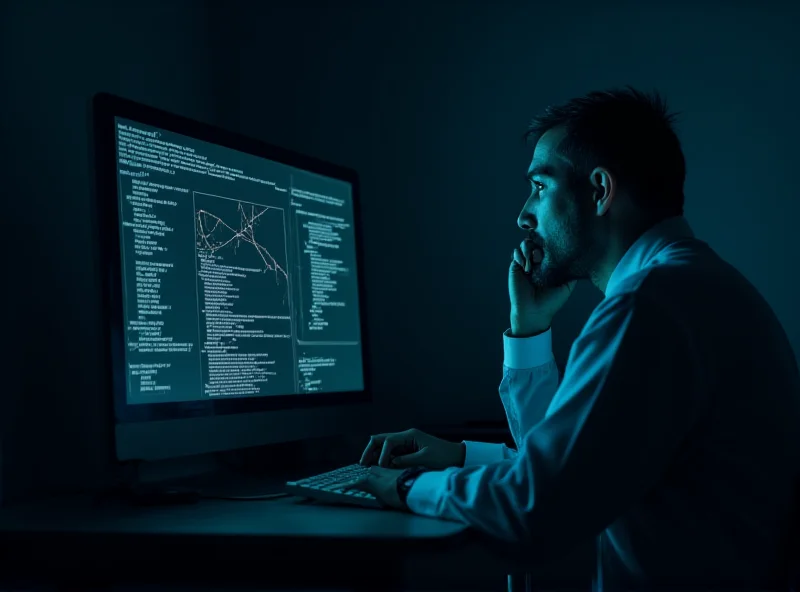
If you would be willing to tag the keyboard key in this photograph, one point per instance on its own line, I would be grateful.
(330, 486)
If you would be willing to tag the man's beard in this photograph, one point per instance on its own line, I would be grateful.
(567, 257)
(558, 268)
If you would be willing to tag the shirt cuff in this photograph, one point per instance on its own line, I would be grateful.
(426, 493)
(482, 453)
(521, 353)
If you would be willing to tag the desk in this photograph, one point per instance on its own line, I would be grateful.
(283, 543)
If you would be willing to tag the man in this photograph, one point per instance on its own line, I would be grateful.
(673, 437)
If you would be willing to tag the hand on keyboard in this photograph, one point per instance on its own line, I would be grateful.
(412, 448)
(329, 487)
(382, 484)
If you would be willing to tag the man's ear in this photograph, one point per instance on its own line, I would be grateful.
(605, 189)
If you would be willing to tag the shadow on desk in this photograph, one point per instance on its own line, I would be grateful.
(276, 544)
(267, 545)
(271, 545)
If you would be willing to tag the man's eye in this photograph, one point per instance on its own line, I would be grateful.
(537, 185)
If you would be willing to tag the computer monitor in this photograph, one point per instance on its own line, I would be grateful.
(234, 287)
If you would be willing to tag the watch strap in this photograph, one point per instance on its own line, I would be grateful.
(406, 481)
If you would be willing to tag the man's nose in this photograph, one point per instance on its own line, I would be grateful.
(526, 220)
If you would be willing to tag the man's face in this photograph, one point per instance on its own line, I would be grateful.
(558, 216)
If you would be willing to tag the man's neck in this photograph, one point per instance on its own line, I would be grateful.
(618, 245)
(603, 271)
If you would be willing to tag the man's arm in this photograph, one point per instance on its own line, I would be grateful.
(530, 379)
(632, 390)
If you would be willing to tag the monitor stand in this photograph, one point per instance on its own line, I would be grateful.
(250, 474)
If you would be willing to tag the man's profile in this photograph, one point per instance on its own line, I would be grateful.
(672, 438)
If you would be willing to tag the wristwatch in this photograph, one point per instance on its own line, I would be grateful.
(406, 480)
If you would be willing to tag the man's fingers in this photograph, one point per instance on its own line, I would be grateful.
(386, 452)
(365, 480)
(519, 259)
(396, 444)
(415, 459)
(365, 454)
(358, 484)
(368, 452)
(527, 252)
(382, 446)
(372, 450)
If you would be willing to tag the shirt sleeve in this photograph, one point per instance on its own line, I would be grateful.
(484, 453)
(616, 421)
(530, 378)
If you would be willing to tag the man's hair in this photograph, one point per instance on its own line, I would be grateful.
(631, 134)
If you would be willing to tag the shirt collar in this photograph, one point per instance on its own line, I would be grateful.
(647, 246)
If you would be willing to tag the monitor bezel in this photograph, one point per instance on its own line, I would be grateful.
(105, 109)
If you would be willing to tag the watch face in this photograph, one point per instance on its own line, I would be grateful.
(409, 480)
(405, 483)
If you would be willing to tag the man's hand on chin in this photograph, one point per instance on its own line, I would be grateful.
(382, 483)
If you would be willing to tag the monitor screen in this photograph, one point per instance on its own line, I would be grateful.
(236, 271)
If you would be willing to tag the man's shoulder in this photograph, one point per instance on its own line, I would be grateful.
(684, 271)
(648, 285)
(687, 288)
(645, 304)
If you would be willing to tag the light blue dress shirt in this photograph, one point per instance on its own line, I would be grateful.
(674, 437)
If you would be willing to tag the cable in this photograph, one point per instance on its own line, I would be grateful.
(126, 486)
(246, 498)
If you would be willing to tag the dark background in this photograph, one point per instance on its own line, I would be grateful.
(428, 100)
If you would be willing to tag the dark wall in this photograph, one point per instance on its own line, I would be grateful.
(55, 56)
(428, 100)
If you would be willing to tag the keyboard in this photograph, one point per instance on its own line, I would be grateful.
(327, 487)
